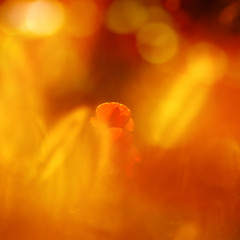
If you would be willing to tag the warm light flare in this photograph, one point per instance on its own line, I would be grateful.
(177, 110)
(207, 62)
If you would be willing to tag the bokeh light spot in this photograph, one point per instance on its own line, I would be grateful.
(126, 16)
(44, 17)
(32, 18)
(158, 14)
(157, 42)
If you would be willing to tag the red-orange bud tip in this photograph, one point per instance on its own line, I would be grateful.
(114, 115)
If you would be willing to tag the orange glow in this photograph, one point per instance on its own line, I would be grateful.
(188, 231)
(221, 173)
(82, 18)
(119, 120)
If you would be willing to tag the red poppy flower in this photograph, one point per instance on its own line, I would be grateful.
(115, 115)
